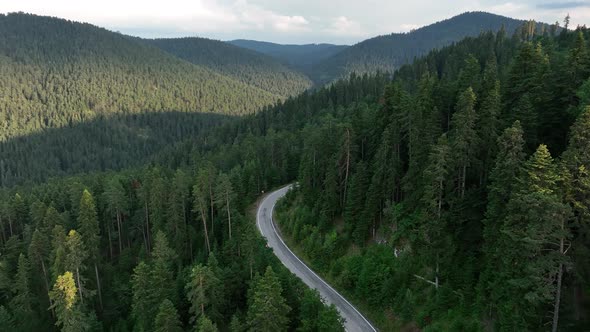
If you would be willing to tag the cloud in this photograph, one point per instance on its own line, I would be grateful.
(408, 27)
(286, 21)
(202, 16)
(564, 5)
(343, 26)
(251, 16)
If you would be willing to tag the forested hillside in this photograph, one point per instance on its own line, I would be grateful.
(167, 247)
(302, 57)
(461, 201)
(389, 52)
(56, 73)
(452, 196)
(244, 65)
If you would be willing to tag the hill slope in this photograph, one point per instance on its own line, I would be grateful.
(389, 52)
(241, 64)
(299, 56)
(58, 72)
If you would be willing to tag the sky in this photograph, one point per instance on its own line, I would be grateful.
(286, 21)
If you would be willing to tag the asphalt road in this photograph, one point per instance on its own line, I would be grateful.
(354, 320)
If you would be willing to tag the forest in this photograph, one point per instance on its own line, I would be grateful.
(451, 195)
(250, 67)
(388, 53)
(56, 73)
(460, 200)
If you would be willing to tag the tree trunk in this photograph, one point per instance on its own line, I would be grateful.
(10, 226)
(147, 226)
(119, 231)
(440, 195)
(3, 231)
(202, 304)
(79, 285)
(436, 274)
(110, 240)
(205, 228)
(347, 165)
(557, 298)
(98, 286)
(559, 279)
(47, 287)
(211, 203)
(463, 180)
(228, 213)
(144, 238)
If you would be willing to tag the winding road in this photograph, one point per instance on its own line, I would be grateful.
(354, 320)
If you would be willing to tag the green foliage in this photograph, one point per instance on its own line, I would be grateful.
(204, 324)
(267, 307)
(70, 317)
(201, 290)
(316, 317)
(417, 207)
(406, 199)
(249, 67)
(167, 319)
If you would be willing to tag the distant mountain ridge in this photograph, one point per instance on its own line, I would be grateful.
(242, 64)
(389, 52)
(301, 57)
(58, 73)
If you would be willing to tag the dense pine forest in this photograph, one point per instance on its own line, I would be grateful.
(166, 247)
(452, 195)
(241, 64)
(57, 73)
(459, 202)
(302, 57)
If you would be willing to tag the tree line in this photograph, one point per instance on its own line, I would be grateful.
(459, 200)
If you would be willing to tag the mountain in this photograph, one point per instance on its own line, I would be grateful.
(389, 52)
(242, 64)
(59, 72)
(299, 56)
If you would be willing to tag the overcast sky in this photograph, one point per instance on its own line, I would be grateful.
(286, 21)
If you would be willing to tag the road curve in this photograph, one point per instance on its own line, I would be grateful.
(354, 320)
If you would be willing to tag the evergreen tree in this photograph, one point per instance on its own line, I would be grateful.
(167, 318)
(200, 207)
(178, 214)
(433, 229)
(117, 205)
(225, 197)
(267, 309)
(503, 179)
(234, 326)
(534, 228)
(23, 301)
(75, 256)
(488, 120)
(463, 138)
(200, 289)
(204, 324)
(162, 276)
(356, 198)
(90, 231)
(576, 164)
(39, 253)
(143, 305)
(58, 251)
(6, 319)
(70, 317)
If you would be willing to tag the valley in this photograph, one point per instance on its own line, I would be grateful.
(435, 178)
